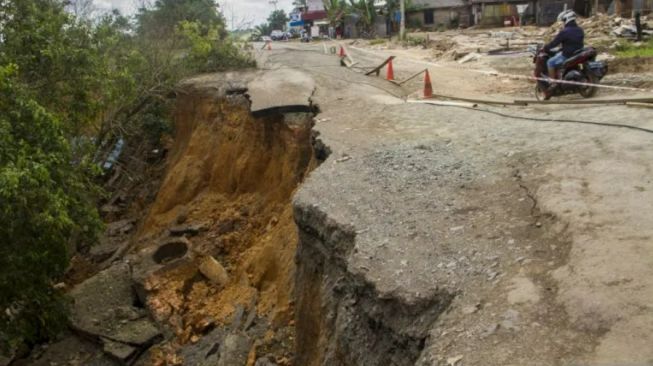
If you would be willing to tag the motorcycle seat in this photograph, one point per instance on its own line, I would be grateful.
(581, 54)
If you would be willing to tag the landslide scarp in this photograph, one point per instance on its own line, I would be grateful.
(227, 197)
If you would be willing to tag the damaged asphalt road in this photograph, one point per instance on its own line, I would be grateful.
(505, 231)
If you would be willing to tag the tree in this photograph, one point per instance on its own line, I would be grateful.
(262, 30)
(82, 9)
(162, 19)
(336, 10)
(301, 4)
(366, 13)
(55, 57)
(64, 82)
(45, 209)
(278, 20)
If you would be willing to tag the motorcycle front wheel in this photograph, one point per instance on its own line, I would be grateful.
(540, 92)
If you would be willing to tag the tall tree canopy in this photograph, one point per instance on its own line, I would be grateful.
(278, 20)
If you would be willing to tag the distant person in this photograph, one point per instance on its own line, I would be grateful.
(571, 37)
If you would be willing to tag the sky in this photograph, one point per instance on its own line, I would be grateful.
(239, 13)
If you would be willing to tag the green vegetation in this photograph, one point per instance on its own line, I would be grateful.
(629, 50)
(377, 41)
(278, 19)
(69, 88)
(366, 12)
(415, 41)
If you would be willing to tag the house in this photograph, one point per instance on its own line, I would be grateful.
(314, 18)
(438, 14)
(504, 12)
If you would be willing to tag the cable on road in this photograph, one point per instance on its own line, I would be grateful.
(505, 115)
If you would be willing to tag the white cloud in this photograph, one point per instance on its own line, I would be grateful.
(126, 7)
(237, 12)
(250, 11)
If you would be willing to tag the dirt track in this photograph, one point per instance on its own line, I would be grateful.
(537, 233)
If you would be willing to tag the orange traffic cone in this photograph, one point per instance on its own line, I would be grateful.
(342, 51)
(391, 71)
(269, 46)
(428, 88)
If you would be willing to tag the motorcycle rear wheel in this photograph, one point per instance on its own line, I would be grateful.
(589, 91)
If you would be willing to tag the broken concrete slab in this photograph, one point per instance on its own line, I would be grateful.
(121, 352)
(103, 310)
(69, 350)
(297, 88)
(93, 298)
(141, 332)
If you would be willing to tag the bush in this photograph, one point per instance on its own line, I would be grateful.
(415, 41)
(46, 207)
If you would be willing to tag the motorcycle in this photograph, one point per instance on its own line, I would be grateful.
(577, 71)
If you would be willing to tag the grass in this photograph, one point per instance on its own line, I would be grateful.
(629, 50)
(377, 41)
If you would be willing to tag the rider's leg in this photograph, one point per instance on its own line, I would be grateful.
(554, 65)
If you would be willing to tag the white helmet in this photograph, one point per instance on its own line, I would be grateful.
(567, 16)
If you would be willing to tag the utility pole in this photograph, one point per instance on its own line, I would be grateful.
(402, 24)
(274, 2)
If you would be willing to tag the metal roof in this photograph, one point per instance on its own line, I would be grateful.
(436, 4)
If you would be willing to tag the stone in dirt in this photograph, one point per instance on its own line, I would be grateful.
(523, 290)
(234, 350)
(120, 227)
(510, 320)
(453, 361)
(213, 270)
(218, 349)
(103, 250)
(264, 361)
(206, 351)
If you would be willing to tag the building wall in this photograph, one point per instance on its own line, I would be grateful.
(314, 5)
(548, 10)
(441, 17)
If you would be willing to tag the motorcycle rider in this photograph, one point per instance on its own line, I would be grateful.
(571, 37)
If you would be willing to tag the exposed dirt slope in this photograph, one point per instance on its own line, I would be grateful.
(231, 175)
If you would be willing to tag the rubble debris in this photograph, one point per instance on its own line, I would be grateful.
(121, 227)
(610, 25)
(469, 57)
(190, 230)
